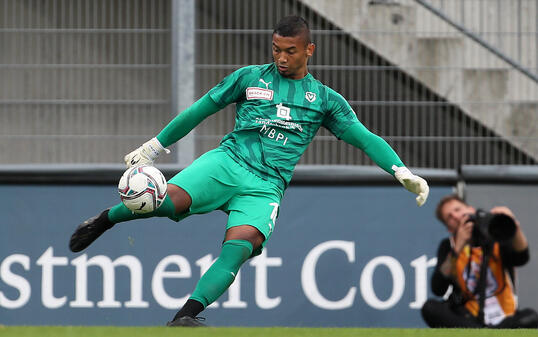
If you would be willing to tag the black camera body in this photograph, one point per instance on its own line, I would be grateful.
(489, 228)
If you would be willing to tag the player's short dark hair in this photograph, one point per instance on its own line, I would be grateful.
(293, 25)
(442, 203)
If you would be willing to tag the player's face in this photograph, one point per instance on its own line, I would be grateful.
(291, 54)
(454, 213)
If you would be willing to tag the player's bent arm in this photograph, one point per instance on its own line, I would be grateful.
(180, 126)
(384, 156)
(187, 120)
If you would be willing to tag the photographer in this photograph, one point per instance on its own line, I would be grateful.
(481, 297)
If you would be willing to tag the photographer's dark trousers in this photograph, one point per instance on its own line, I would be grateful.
(524, 318)
(441, 314)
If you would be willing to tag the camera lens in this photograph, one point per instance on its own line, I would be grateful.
(502, 227)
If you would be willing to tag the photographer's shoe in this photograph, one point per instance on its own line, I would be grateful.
(89, 231)
(187, 321)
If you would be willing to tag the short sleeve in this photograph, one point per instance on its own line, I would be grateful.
(231, 89)
(339, 115)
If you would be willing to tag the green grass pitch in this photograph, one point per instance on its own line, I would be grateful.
(55, 331)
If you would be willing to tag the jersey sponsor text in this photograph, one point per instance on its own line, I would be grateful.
(273, 134)
(259, 93)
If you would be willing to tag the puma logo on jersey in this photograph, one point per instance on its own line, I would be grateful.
(310, 96)
(266, 84)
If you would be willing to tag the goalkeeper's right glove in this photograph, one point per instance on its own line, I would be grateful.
(145, 154)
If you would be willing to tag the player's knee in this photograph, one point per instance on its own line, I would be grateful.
(247, 233)
(181, 199)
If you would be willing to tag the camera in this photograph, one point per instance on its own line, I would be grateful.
(489, 227)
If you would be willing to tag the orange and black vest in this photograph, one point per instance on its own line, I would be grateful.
(500, 300)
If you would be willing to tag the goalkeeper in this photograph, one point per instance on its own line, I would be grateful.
(279, 108)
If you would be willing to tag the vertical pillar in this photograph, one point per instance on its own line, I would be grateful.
(183, 13)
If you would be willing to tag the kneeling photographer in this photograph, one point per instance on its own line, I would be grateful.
(478, 261)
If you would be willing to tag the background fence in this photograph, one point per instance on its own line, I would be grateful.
(87, 81)
(509, 26)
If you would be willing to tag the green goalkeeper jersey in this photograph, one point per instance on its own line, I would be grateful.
(276, 118)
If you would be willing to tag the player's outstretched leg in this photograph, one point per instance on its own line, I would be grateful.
(91, 229)
(214, 282)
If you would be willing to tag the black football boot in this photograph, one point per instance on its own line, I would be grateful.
(89, 231)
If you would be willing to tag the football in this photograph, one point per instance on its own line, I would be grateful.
(142, 188)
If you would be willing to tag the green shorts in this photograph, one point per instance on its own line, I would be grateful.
(216, 181)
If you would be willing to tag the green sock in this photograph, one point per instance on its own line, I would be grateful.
(222, 273)
(121, 213)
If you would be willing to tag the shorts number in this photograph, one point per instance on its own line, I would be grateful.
(274, 213)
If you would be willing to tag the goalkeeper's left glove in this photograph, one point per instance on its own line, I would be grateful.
(412, 183)
(145, 154)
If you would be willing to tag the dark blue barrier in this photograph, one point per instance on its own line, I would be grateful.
(339, 256)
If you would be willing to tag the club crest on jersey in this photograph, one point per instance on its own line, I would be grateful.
(259, 93)
(310, 96)
(283, 112)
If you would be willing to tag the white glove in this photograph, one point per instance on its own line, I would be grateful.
(412, 183)
(145, 154)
